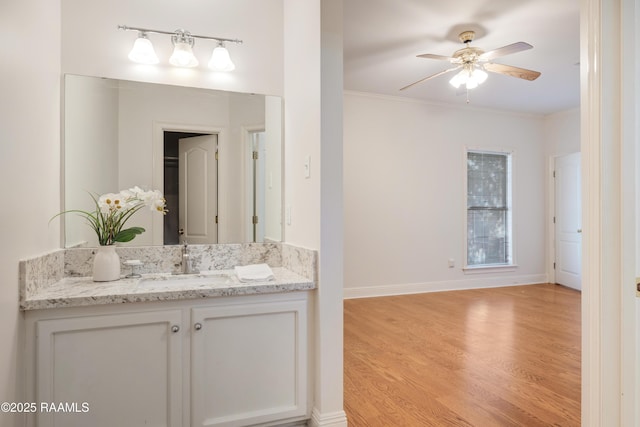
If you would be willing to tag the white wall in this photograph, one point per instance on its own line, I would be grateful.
(29, 164)
(245, 112)
(630, 187)
(302, 122)
(562, 133)
(561, 137)
(91, 150)
(404, 171)
(313, 122)
(313, 128)
(273, 168)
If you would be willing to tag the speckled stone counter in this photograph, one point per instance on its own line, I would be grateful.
(62, 278)
(82, 291)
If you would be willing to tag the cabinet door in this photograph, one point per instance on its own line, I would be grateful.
(249, 363)
(112, 370)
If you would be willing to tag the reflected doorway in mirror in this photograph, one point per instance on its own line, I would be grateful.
(191, 187)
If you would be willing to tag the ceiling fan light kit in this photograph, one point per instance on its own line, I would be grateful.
(474, 63)
(469, 77)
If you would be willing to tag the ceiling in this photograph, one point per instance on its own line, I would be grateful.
(383, 37)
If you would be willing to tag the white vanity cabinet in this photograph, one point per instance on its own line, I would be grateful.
(228, 361)
(249, 363)
(109, 370)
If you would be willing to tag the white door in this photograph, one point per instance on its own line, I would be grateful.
(568, 221)
(198, 189)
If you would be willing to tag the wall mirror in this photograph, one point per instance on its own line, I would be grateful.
(216, 156)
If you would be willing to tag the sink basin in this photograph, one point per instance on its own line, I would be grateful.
(185, 280)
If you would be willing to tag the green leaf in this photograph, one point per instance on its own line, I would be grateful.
(128, 235)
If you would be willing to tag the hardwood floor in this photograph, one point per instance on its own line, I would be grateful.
(489, 357)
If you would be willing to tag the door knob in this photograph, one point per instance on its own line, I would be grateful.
(175, 328)
(197, 326)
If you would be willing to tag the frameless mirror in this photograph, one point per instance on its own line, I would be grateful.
(216, 156)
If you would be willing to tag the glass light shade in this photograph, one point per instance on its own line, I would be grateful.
(142, 51)
(479, 76)
(183, 56)
(220, 60)
(472, 84)
(471, 78)
(459, 79)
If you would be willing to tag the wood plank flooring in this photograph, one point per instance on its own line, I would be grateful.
(489, 357)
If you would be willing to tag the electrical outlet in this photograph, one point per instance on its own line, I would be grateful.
(452, 263)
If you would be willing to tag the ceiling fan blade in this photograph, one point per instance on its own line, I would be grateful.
(433, 56)
(429, 77)
(509, 70)
(505, 50)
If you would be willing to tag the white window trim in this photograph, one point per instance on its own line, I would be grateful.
(484, 269)
(491, 268)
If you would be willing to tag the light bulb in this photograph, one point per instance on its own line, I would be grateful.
(142, 51)
(479, 76)
(220, 59)
(472, 84)
(459, 79)
(471, 78)
(183, 56)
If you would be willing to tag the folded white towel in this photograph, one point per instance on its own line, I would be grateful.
(254, 273)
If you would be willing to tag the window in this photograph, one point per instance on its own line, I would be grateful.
(488, 209)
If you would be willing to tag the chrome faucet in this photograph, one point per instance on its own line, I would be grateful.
(187, 267)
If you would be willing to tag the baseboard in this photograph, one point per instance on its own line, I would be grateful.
(453, 285)
(333, 419)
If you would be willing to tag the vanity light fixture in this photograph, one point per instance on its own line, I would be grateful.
(183, 42)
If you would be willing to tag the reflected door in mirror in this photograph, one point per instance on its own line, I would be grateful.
(198, 183)
(190, 187)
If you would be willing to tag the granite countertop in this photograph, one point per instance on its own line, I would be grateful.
(83, 291)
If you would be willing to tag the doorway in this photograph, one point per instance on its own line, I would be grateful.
(256, 182)
(568, 221)
(190, 187)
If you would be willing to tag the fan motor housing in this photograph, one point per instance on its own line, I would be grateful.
(467, 36)
(467, 55)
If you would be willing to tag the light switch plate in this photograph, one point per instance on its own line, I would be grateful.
(307, 167)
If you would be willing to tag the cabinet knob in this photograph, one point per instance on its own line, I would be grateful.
(197, 326)
(175, 328)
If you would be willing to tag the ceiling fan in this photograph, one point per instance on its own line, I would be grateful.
(472, 63)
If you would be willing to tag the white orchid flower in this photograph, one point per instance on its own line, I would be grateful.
(113, 210)
(110, 202)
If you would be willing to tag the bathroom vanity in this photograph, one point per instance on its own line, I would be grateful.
(204, 351)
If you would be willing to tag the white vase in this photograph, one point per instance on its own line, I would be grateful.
(106, 264)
